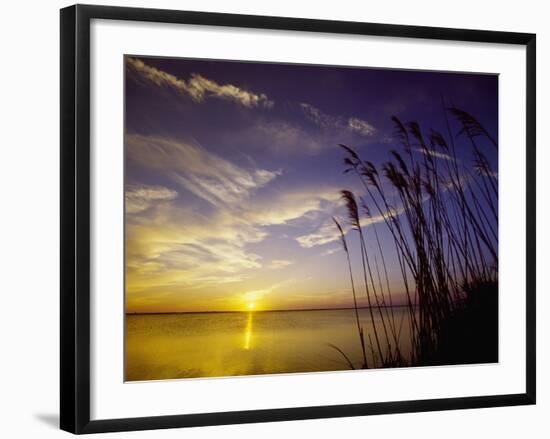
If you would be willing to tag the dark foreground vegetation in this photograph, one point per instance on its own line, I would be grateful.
(441, 212)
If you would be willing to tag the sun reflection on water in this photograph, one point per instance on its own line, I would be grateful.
(248, 332)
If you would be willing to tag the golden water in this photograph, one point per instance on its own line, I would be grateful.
(167, 346)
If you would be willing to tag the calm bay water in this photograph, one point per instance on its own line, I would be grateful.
(168, 346)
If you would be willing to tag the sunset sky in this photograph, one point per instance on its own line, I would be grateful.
(233, 173)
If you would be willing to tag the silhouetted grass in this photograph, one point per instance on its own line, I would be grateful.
(442, 215)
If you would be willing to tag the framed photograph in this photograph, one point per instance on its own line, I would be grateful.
(268, 218)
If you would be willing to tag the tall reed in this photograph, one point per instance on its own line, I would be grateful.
(442, 214)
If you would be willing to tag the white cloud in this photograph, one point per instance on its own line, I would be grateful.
(326, 121)
(319, 118)
(323, 235)
(436, 154)
(140, 197)
(328, 232)
(281, 137)
(331, 251)
(203, 173)
(258, 294)
(360, 126)
(198, 87)
(279, 263)
(289, 206)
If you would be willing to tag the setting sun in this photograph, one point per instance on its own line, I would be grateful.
(251, 306)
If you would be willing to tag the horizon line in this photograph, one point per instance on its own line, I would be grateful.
(265, 310)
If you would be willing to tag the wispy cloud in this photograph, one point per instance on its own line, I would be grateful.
(197, 87)
(327, 121)
(279, 263)
(201, 172)
(140, 197)
(320, 118)
(281, 137)
(289, 206)
(328, 232)
(258, 294)
(436, 154)
(323, 235)
(330, 251)
(360, 126)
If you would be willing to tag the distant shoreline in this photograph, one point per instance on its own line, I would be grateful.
(259, 311)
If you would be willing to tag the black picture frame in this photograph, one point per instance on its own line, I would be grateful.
(75, 217)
